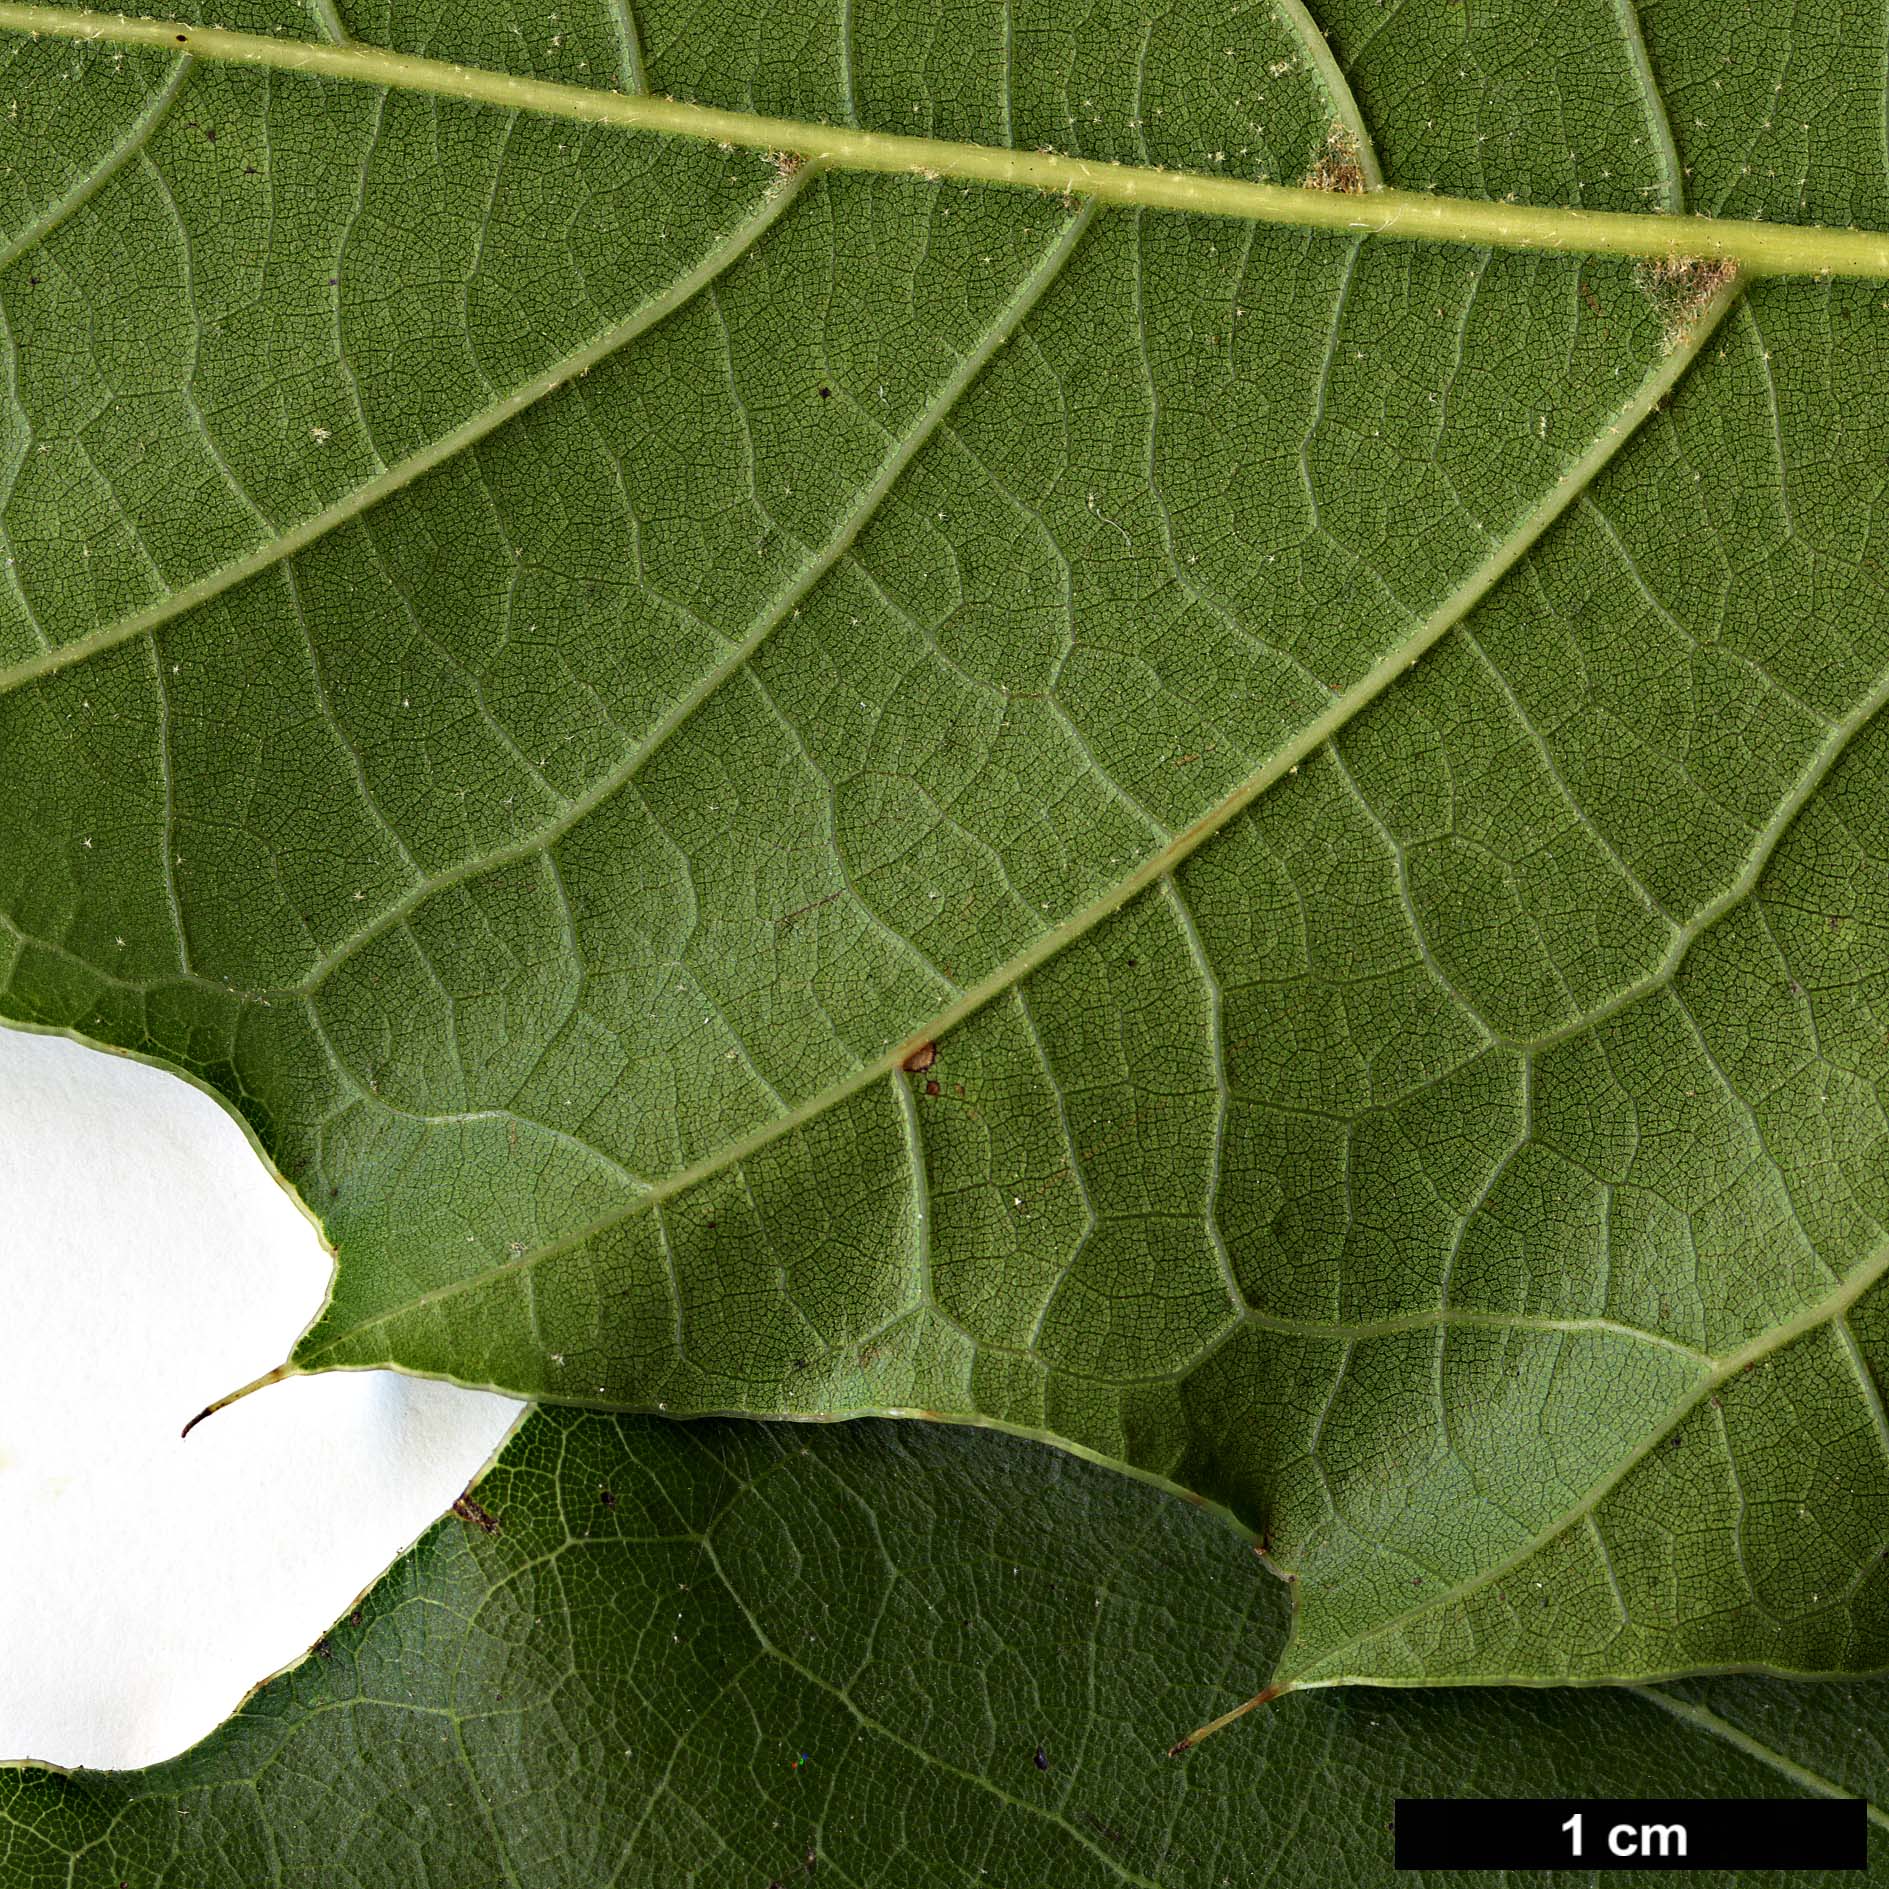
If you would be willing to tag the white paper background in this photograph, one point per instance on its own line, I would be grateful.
(148, 1264)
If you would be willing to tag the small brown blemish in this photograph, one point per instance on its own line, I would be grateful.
(481, 1517)
(354, 1619)
(920, 1059)
(325, 1647)
(934, 1087)
(1338, 167)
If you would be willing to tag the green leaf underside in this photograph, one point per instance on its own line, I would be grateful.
(547, 662)
(721, 1654)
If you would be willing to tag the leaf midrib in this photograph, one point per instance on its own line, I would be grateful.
(1757, 247)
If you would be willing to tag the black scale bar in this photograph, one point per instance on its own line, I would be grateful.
(1607, 1833)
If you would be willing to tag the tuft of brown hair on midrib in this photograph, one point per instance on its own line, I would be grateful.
(1680, 287)
(1338, 167)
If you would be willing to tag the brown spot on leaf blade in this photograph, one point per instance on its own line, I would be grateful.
(480, 1517)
